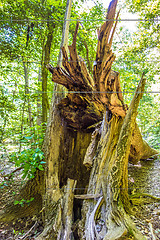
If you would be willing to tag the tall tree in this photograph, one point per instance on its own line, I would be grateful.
(29, 36)
(46, 51)
(141, 51)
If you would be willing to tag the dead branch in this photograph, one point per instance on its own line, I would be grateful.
(88, 196)
(152, 233)
(11, 174)
(27, 233)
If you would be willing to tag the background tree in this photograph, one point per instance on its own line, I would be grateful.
(141, 52)
(25, 39)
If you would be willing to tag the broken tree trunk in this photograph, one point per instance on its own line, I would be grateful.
(110, 177)
(83, 108)
(90, 127)
(88, 97)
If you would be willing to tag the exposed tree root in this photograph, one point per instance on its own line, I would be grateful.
(152, 233)
(8, 176)
(144, 195)
(142, 198)
(59, 225)
(91, 232)
(132, 228)
(32, 189)
(118, 224)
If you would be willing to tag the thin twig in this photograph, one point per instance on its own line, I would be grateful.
(88, 196)
(25, 236)
(10, 174)
(136, 195)
(152, 233)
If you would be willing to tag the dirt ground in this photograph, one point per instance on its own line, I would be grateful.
(143, 178)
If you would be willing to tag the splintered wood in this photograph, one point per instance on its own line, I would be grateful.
(97, 93)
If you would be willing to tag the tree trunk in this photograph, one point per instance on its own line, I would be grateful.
(45, 60)
(33, 189)
(120, 140)
(65, 33)
(27, 93)
(109, 177)
(22, 122)
(39, 105)
(90, 137)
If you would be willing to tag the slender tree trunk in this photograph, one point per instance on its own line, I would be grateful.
(3, 127)
(65, 33)
(27, 93)
(22, 121)
(39, 105)
(45, 60)
(87, 56)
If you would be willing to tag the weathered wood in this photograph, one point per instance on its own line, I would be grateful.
(84, 108)
(111, 38)
(88, 196)
(68, 210)
(103, 47)
(94, 93)
(89, 98)
(93, 96)
(120, 170)
(109, 176)
(91, 150)
(65, 33)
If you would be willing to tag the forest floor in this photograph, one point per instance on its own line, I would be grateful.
(143, 178)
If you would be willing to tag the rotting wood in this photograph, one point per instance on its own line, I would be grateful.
(88, 196)
(65, 33)
(68, 209)
(111, 178)
(84, 105)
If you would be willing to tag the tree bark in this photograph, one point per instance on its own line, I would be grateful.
(111, 177)
(45, 60)
(39, 105)
(27, 93)
(65, 33)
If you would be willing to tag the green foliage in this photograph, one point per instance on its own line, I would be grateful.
(31, 157)
(23, 201)
(29, 160)
(17, 233)
(137, 53)
(3, 184)
(149, 29)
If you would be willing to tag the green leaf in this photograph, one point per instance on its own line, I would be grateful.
(40, 167)
(42, 162)
(16, 202)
